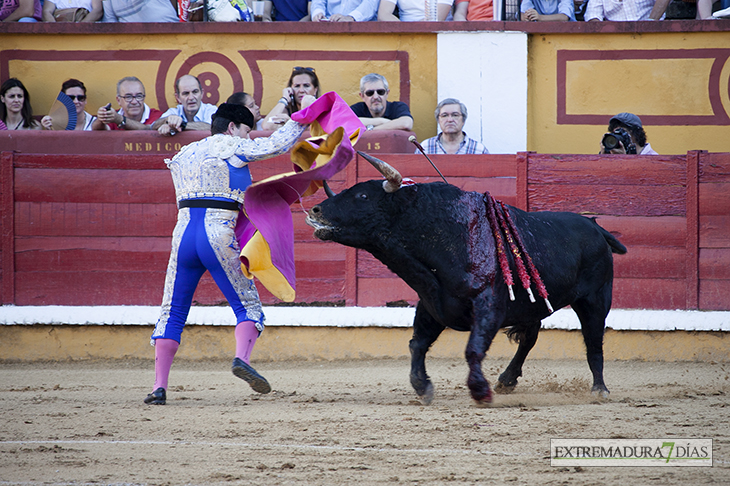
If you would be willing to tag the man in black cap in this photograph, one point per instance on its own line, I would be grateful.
(632, 124)
(210, 177)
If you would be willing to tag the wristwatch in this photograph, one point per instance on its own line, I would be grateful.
(124, 122)
(183, 125)
(369, 127)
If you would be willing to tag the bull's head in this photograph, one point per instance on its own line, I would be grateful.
(356, 212)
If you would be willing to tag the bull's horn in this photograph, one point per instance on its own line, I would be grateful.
(327, 190)
(392, 176)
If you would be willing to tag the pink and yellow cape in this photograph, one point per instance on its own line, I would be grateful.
(266, 230)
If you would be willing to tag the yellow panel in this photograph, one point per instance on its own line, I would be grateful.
(598, 87)
(43, 80)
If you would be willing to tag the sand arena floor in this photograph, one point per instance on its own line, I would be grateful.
(347, 423)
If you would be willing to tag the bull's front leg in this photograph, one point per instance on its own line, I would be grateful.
(425, 332)
(485, 327)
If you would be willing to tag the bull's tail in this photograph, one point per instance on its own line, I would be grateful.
(616, 246)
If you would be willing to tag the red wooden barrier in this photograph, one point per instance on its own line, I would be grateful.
(152, 143)
(95, 229)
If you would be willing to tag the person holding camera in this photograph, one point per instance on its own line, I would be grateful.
(626, 136)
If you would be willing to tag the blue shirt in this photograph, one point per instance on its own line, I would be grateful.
(204, 114)
(291, 10)
(550, 7)
(360, 10)
(467, 146)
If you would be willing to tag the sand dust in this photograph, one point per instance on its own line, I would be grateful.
(347, 423)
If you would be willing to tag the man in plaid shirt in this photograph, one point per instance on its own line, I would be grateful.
(625, 10)
(451, 116)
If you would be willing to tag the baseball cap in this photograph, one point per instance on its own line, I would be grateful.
(628, 119)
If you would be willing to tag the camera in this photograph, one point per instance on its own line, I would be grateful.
(611, 141)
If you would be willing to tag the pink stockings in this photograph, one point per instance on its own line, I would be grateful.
(165, 349)
(246, 335)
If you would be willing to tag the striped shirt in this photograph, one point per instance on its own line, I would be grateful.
(468, 146)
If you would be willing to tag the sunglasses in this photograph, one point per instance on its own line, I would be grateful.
(371, 92)
(77, 97)
(305, 69)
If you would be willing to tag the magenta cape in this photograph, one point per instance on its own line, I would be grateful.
(266, 231)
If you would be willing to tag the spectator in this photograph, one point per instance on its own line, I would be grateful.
(625, 10)
(247, 100)
(139, 11)
(191, 113)
(632, 124)
(15, 110)
(52, 9)
(704, 10)
(74, 89)
(134, 113)
(451, 116)
(375, 111)
(411, 10)
(474, 10)
(21, 11)
(344, 10)
(286, 10)
(547, 10)
(302, 82)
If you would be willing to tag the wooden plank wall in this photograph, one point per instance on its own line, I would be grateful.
(378, 286)
(714, 231)
(95, 230)
(642, 201)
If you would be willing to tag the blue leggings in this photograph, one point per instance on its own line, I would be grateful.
(204, 239)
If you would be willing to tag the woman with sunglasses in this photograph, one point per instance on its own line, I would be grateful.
(302, 82)
(15, 110)
(74, 89)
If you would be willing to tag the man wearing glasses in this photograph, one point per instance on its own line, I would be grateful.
(451, 116)
(134, 113)
(375, 111)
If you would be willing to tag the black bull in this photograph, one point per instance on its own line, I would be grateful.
(438, 239)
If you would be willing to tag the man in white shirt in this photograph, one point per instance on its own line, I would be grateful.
(191, 113)
(412, 10)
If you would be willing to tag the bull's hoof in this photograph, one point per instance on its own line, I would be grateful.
(484, 400)
(600, 391)
(503, 389)
(427, 397)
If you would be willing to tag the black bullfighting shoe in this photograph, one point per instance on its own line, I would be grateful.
(249, 375)
(157, 397)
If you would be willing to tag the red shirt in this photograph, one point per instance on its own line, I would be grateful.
(154, 116)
